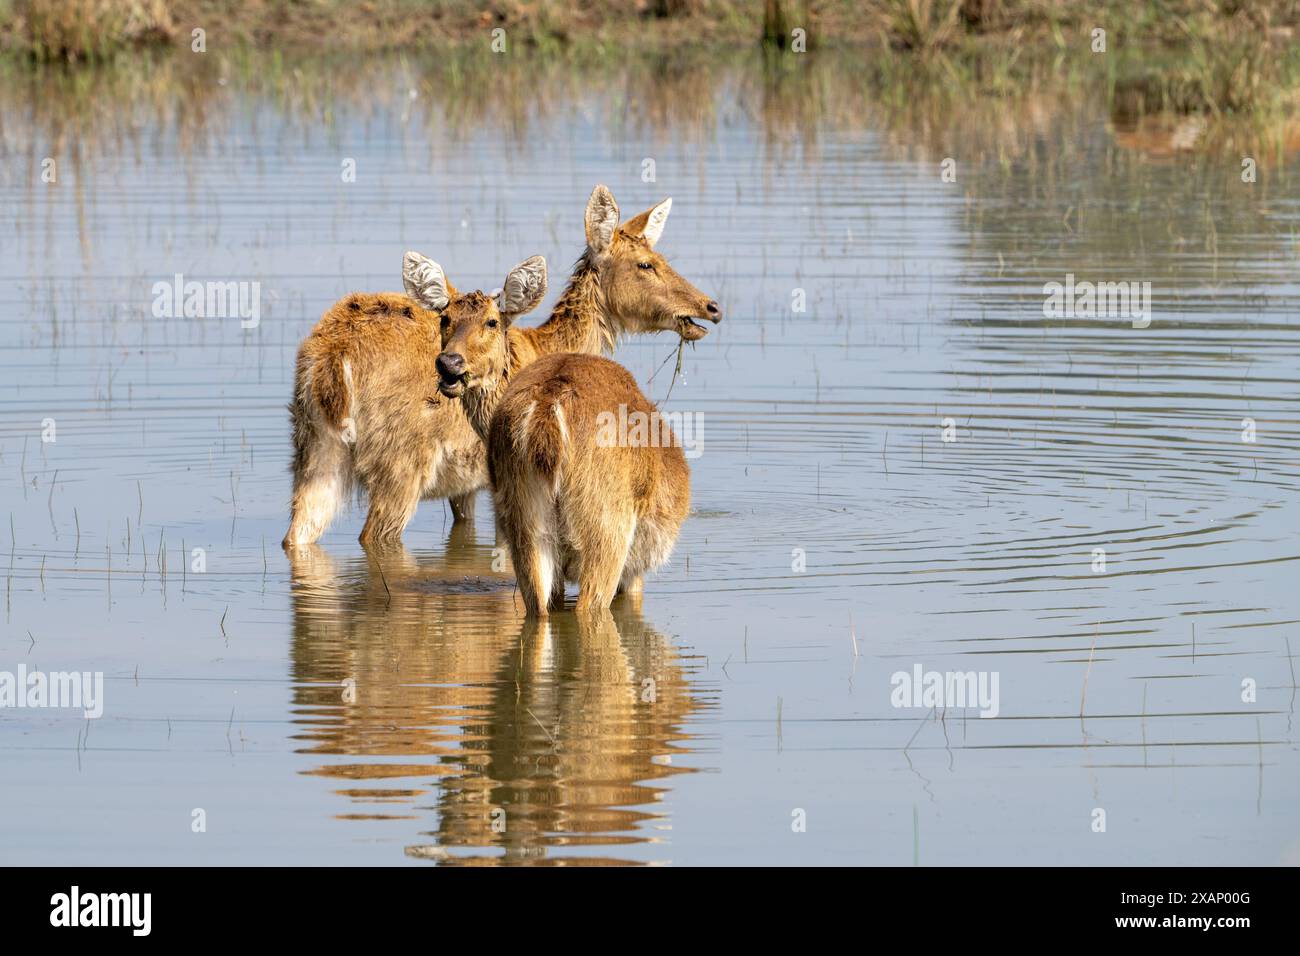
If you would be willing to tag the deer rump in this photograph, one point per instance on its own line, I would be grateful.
(574, 506)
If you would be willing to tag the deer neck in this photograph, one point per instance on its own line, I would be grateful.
(580, 321)
(481, 402)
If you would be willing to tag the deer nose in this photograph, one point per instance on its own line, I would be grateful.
(451, 365)
(714, 310)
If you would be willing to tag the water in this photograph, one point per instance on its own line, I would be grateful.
(356, 708)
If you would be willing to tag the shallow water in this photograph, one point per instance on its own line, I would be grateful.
(356, 708)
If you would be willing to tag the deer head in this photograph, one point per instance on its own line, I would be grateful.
(642, 292)
(473, 325)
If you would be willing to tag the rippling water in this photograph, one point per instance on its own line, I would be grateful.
(398, 708)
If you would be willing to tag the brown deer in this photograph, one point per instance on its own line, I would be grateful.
(571, 505)
(365, 410)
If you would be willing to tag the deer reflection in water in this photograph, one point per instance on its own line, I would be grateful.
(429, 690)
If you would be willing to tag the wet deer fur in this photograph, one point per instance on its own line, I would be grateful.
(570, 507)
(366, 410)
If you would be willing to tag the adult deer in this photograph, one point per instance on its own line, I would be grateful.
(572, 504)
(365, 410)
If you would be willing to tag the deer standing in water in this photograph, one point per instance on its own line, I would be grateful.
(365, 408)
(571, 505)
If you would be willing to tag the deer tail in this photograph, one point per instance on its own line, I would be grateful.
(537, 437)
(334, 393)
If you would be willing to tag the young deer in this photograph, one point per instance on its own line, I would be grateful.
(569, 505)
(365, 410)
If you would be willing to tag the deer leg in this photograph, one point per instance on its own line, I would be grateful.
(526, 519)
(557, 593)
(393, 500)
(534, 570)
(605, 540)
(632, 590)
(462, 506)
(322, 478)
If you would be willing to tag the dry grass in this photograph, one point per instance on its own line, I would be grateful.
(1234, 58)
(92, 29)
(1206, 56)
(85, 29)
(923, 25)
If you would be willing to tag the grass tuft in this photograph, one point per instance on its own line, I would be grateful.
(86, 30)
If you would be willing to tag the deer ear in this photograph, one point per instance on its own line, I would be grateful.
(656, 219)
(601, 219)
(425, 281)
(524, 288)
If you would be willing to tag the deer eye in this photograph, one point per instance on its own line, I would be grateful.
(645, 265)
(492, 323)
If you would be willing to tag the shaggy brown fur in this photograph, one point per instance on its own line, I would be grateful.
(568, 507)
(620, 277)
(365, 411)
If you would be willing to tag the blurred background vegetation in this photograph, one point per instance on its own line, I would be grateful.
(1184, 56)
